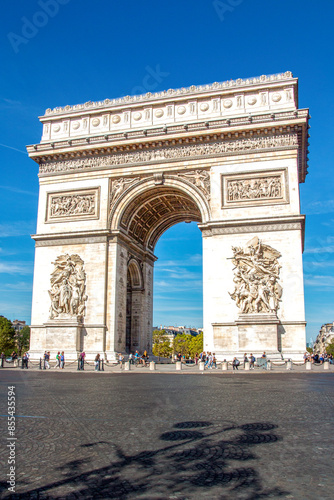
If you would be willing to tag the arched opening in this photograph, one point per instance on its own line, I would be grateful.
(178, 280)
(141, 215)
(134, 288)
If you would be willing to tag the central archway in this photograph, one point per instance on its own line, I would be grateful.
(143, 212)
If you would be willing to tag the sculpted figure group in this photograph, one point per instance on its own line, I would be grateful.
(254, 189)
(256, 275)
(68, 286)
(77, 204)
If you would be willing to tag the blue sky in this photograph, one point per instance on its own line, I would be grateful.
(85, 50)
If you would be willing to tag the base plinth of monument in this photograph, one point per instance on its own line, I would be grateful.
(258, 332)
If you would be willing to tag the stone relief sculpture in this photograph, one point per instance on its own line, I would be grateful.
(254, 189)
(118, 186)
(71, 205)
(201, 179)
(68, 287)
(214, 148)
(256, 275)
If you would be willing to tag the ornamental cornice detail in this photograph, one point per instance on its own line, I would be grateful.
(253, 228)
(286, 77)
(173, 153)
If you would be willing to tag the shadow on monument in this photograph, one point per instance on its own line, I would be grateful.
(196, 458)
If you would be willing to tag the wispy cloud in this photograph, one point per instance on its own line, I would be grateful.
(319, 207)
(16, 267)
(319, 281)
(19, 228)
(15, 149)
(19, 191)
(21, 286)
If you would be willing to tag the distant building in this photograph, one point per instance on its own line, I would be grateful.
(325, 337)
(18, 325)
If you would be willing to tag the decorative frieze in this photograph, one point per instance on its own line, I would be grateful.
(256, 275)
(254, 188)
(171, 153)
(68, 287)
(71, 205)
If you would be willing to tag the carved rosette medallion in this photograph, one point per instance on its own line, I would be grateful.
(200, 178)
(68, 287)
(256, 276)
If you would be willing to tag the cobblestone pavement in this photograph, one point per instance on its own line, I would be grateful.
(169, 436)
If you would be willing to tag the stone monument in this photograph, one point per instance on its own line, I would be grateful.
(116, 174)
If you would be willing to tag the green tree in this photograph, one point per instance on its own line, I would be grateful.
(7, 335)
(196, 345)
(181, 344)
(161, 345)
(330, 348)
(22, 338)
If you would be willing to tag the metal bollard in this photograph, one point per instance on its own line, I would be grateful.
(308, 365)
(2, 361)
(127, 366)
(246, 365)
(326, 365)
(40, 363)
(99, 365)
(178, 365)
(102, 365)
(78, 365)
(289, 364)
(152, 365)
(22, 364)
(224, 365)
(201, 365)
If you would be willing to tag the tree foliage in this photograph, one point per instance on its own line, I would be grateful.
(22, 338)
(161, 345)
(330, 348)
(188, 345)
(7, 335)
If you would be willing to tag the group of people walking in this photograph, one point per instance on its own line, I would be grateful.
(60, 360)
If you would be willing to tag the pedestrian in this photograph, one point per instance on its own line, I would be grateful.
(214, 361)
(57, 365)
(82, 360)
(264, 357)
(62, 360)
(25, 359)
(235, 363)
(196, 358)
(251, 361)
(46, 360)
(97, 362)
(131, 358)
(246, 360)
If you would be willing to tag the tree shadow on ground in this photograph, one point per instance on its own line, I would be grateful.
(198, 459)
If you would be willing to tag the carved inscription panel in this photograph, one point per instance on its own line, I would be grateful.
(71, 205)
(254, 189)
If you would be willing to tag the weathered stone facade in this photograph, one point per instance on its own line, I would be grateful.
(115, 175)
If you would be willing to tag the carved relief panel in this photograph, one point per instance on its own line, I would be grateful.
(256, 278)
(73, 205)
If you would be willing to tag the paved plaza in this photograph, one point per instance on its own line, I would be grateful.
(169, 436)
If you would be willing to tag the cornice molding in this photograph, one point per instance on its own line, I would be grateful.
(284, 223)
(193, 90)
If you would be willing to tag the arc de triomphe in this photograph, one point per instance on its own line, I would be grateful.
(114, 175)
